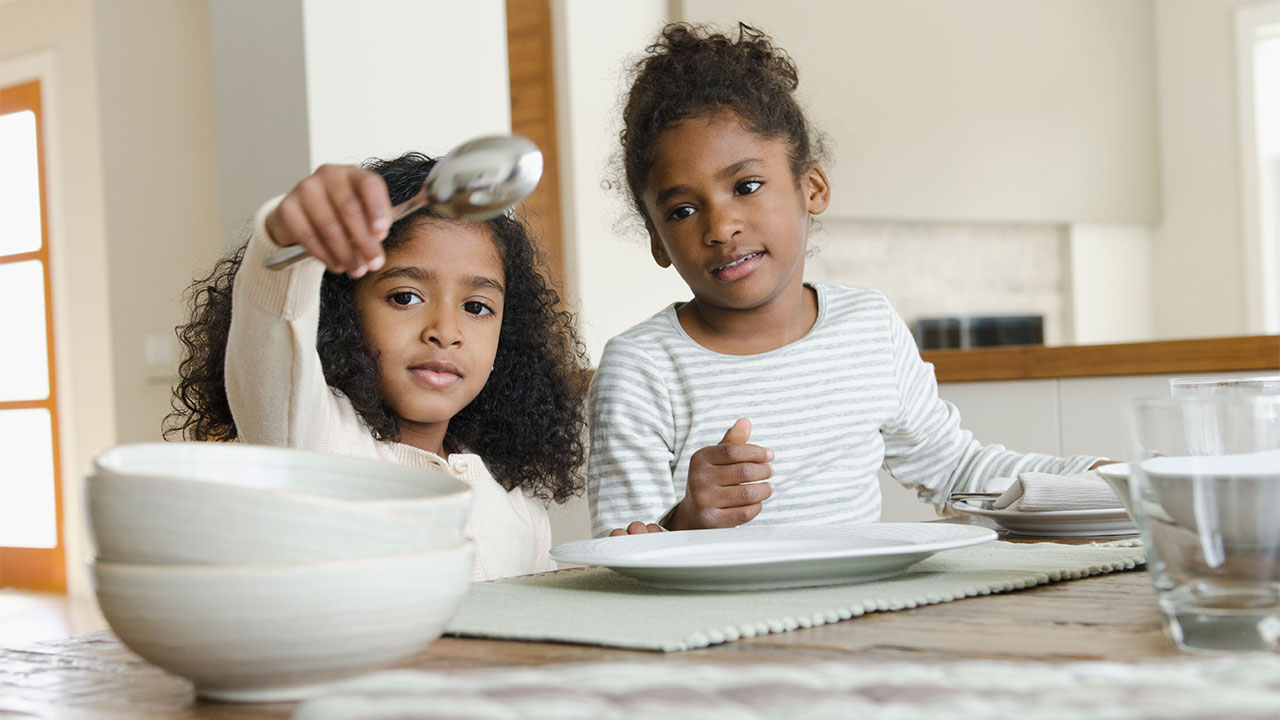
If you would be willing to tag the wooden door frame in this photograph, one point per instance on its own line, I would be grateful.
(38, 568)
(531, 73)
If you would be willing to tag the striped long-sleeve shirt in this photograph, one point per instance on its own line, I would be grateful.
(849, 397)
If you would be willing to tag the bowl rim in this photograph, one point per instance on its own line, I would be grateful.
(95, 565)
(101, 464)
(375, 506)
(372, 507)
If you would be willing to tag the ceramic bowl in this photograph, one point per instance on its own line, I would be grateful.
(1117, 475)
(154, 519)
(421, 494)
(267, 633)
(1232, 498)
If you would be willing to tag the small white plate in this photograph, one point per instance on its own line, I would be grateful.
(1062, 523)
(767, 557)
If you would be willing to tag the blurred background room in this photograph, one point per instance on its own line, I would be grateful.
(1108, 168)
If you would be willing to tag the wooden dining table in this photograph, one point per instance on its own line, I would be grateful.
(1102, 617)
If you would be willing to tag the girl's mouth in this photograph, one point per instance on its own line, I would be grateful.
(437, 375)
(739, 268)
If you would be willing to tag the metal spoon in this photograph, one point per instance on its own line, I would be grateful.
(983, 499)
(477, 180)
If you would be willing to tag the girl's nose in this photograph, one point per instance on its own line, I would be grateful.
(722, 224)
(442, 329)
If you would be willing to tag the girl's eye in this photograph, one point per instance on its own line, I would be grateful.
(680, 212)
(404, 298)
(475, 307)
(748, 186)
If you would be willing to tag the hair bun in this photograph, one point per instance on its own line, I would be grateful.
(693, 70)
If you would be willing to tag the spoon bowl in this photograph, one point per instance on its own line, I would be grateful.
(480, 179)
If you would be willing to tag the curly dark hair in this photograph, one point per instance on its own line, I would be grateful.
(527, 423)
(695, 71)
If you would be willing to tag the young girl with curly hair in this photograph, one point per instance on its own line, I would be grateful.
(429, 342)
(727, 175)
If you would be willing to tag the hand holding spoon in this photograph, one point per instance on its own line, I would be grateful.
(477, 180)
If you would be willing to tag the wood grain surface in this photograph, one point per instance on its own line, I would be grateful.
(1024, 362)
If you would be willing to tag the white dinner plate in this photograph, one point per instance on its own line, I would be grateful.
(1062, 523)
(767, 557)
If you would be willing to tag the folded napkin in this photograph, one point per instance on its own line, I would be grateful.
(1043, 492)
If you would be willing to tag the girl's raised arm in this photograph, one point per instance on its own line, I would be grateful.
(275, 381)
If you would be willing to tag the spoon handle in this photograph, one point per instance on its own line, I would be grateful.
(286, 256)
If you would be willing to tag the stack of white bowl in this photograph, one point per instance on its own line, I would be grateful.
(263, 573)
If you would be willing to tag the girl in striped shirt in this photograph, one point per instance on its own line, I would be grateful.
(764, 398)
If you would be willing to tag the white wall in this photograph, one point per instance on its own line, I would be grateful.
(1111, 296)
(983, 110)
(388, 76)
(260, 106)
(305, 82)
(160, 180)
(611, 277)
(1198, 275)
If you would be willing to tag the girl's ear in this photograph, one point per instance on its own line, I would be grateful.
(655, 246)
(817, 191)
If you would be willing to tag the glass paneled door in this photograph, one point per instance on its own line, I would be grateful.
(31, 552)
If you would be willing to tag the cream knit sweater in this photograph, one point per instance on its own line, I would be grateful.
(278, 396)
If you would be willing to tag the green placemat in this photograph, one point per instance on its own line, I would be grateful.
(596, 606)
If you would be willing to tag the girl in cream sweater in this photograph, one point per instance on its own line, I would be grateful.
(430, 342)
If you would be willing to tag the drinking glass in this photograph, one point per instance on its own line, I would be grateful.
(1210, 516)
(1224, 385)
(1208, 428)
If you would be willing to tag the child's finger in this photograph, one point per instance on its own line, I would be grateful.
(739, 433)
(727, 517)
(349, 210)
(733, 517)
(377, 207)
(732, 496)
(738, 473)
(297, 230)
(320, 211)
(725, 454)
(636, 528)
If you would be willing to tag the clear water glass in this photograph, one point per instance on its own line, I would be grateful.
(1224, 385)
(1210, 516)
(1207, 429)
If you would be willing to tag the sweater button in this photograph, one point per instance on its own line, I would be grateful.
(460, 466)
